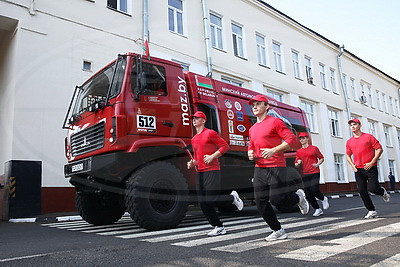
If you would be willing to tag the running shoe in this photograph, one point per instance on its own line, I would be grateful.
(217, 231)
(276, 235)
(236, 200)
(318, 212)
(325, 203)
(303, 203)
(371, 214)
(385, 196)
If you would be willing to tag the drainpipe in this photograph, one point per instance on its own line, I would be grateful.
(346, 99)
(32, 10)
(206, 25)
(145, 35)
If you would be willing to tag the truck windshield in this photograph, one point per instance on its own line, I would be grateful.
(96, 89)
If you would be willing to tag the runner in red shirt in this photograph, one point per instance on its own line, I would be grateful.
(366, 150)
(208, 146)
(269, 138)
(309, 157)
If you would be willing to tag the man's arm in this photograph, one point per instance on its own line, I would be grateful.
(378, 153)
(269, 152)
(350, 161)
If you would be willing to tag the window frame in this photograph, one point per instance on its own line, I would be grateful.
(237, 40)
(215, 33)
(118, 7)
(339, 167)
(332, 78)
(261, 50)
(308, 108)
(388, 139)
(334, 123)
(278, 56)
(322, 75)
(176, 21)
(232, 81)
(296, 64)
(309, 69)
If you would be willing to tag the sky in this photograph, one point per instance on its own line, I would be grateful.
(370, 29)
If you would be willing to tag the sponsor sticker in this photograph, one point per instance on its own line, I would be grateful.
(230, 114)
(239, 115)
(146, 123)
(238, 106)
(228, 103)
(231, 129)
(241, 128)
(236, 137)
(236, 143)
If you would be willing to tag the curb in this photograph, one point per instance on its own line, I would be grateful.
(77, 217)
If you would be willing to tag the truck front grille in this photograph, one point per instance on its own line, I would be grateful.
(88, 140)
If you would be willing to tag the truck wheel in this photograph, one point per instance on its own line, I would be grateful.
(99, 209)
(156, 196)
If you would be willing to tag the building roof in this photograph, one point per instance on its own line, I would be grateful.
(326, 39)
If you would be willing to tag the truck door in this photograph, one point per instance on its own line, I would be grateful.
(158, 108)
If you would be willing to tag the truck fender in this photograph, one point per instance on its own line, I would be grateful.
(158, 141)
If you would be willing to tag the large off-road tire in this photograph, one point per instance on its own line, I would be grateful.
(99, 209)
(156, 196)
(295, 182)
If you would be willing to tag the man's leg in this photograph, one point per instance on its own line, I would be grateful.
(361, 180)
(311, 190)
(261, 194)
(203, 194)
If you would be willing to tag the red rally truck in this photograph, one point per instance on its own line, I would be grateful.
(129, 133)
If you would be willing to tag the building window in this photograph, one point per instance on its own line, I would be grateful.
(378, 100)
(232, 81)
(216, 31)
(396, 106)
(386, 130)
(296, 64)
(185, 66)
(339, 167)
(353, 89)
(333, 80)
(370, 98)
(398, 137)
(120, 5)
(391, 105)
(344, 76)
(275, 95)
(309, 73)
(323, 75)
(175, 16)
(310, 114)
(87, 65)
(391, 166)
(334, 122)
(276, 50)
(371, 128)
(261, 50)
(237, 37)
(384, 103)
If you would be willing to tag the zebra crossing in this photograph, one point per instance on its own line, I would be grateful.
(247, 234)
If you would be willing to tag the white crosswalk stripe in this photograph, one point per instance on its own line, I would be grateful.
(248, 233)
(340, 245)
(389, 262)
(263, 230)
(258, 243)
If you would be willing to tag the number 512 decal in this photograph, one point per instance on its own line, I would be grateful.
(146, 122)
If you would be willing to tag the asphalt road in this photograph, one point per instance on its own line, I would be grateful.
(341, 237)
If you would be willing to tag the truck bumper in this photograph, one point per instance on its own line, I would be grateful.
(113, 167)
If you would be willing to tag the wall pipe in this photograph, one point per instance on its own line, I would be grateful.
(206, 25)
(346, 98)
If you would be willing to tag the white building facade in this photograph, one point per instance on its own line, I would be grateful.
(48, 47)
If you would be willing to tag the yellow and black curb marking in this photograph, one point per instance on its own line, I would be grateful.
(12, 186)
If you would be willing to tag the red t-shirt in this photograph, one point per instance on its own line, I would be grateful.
(309, 156)
(269, 133)
(362, 148)
(206, 143)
